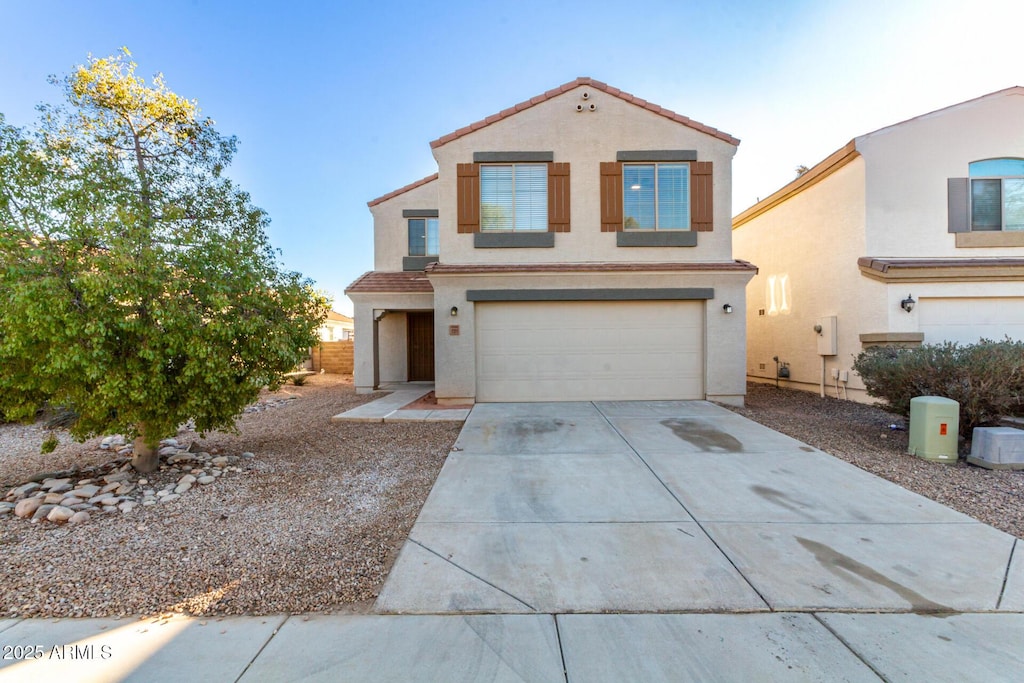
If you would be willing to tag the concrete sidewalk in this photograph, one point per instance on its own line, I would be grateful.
(390, 408)
(566, 647)
(654, 541)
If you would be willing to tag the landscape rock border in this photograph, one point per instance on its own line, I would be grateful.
(73, 496)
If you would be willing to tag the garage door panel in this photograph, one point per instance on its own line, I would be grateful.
(534, 351)
(968, 319)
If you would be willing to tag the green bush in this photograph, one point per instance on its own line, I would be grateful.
(986, 379)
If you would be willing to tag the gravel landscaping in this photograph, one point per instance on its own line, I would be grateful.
(310, 523)
(861, 434)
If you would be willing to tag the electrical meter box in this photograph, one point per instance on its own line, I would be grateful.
(827, 345)
(934, 426)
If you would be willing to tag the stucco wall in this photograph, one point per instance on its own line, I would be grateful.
(392, 344)
(584, 140)
(724, 333)
(813, 241)
(391, 229)
(907, 165)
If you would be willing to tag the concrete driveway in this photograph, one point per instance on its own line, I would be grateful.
(630, 521)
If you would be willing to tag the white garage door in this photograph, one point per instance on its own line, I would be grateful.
(966, 320)
(590, 350)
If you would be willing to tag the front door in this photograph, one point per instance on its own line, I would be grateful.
(421, 346)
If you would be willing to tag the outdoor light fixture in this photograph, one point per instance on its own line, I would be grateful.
(455, 311)
(908, 304)
(727, 308)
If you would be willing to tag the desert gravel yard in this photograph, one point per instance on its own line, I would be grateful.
(310, 524)
(314, 520)
(861, 435)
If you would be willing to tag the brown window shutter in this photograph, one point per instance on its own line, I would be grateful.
(958, 199)
(611, 196)
(702, 197)
(558, 197)
(468, 197)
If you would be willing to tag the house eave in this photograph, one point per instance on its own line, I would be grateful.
(815, 175)
(892, 270)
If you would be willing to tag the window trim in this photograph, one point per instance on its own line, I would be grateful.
(686, 196)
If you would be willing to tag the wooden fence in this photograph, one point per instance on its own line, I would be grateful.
(335, 357)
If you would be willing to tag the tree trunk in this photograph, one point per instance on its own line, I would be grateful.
(145, 458)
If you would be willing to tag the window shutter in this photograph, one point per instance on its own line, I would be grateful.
(468, 197)
(957, 192)
(558, 197)
(702, 197)
(611, 196)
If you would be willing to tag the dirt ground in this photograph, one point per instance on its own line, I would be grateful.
(311, 524)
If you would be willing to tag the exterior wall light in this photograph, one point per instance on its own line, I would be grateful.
(908, 304)
(455, 311)
(727, 308)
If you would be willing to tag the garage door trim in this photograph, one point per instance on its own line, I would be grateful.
(598, 294)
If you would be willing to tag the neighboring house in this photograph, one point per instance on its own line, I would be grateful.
(575, 246)
(336, 327)
(913, 233)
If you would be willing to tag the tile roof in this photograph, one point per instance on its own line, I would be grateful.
(884, 265)
(402, 190)
(382, 281)
(492, 268)
(597, 85)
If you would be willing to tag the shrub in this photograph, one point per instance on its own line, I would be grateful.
(986, 379)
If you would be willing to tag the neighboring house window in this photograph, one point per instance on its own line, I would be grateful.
(997, 194)
(514, 197)
(423, 237)
(656, 196)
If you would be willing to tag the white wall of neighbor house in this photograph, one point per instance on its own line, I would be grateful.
(392, 343)
(964, 312)
(391, 229)
(907, 165)
(806, 250)
(455, 356)
(585, 139)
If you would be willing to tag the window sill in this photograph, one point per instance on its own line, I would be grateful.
(996, 238)
(417, 262)
(656, 238)
(513, 240)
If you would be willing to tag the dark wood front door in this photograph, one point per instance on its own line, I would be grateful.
(421, 346)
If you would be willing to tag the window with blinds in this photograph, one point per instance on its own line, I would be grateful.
(514, 197)
(656, 196)
(997, 203)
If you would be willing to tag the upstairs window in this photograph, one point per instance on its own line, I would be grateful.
(514, 197)
(656, 196)
(997, 194)
(423, 237)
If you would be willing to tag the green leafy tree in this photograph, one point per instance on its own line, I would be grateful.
(137, 284)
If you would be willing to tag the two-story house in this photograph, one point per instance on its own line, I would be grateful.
(575, 246)
(911, 234)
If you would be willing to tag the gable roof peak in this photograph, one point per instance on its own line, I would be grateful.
(592, 83)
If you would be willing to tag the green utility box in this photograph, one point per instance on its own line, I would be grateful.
(934, 426)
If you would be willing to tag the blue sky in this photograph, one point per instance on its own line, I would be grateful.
(335, 103)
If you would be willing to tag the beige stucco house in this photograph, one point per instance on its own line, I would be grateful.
(575, 246)
(911, 234)
(336, 327)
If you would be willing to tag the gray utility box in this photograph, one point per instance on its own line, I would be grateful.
(997, 448)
